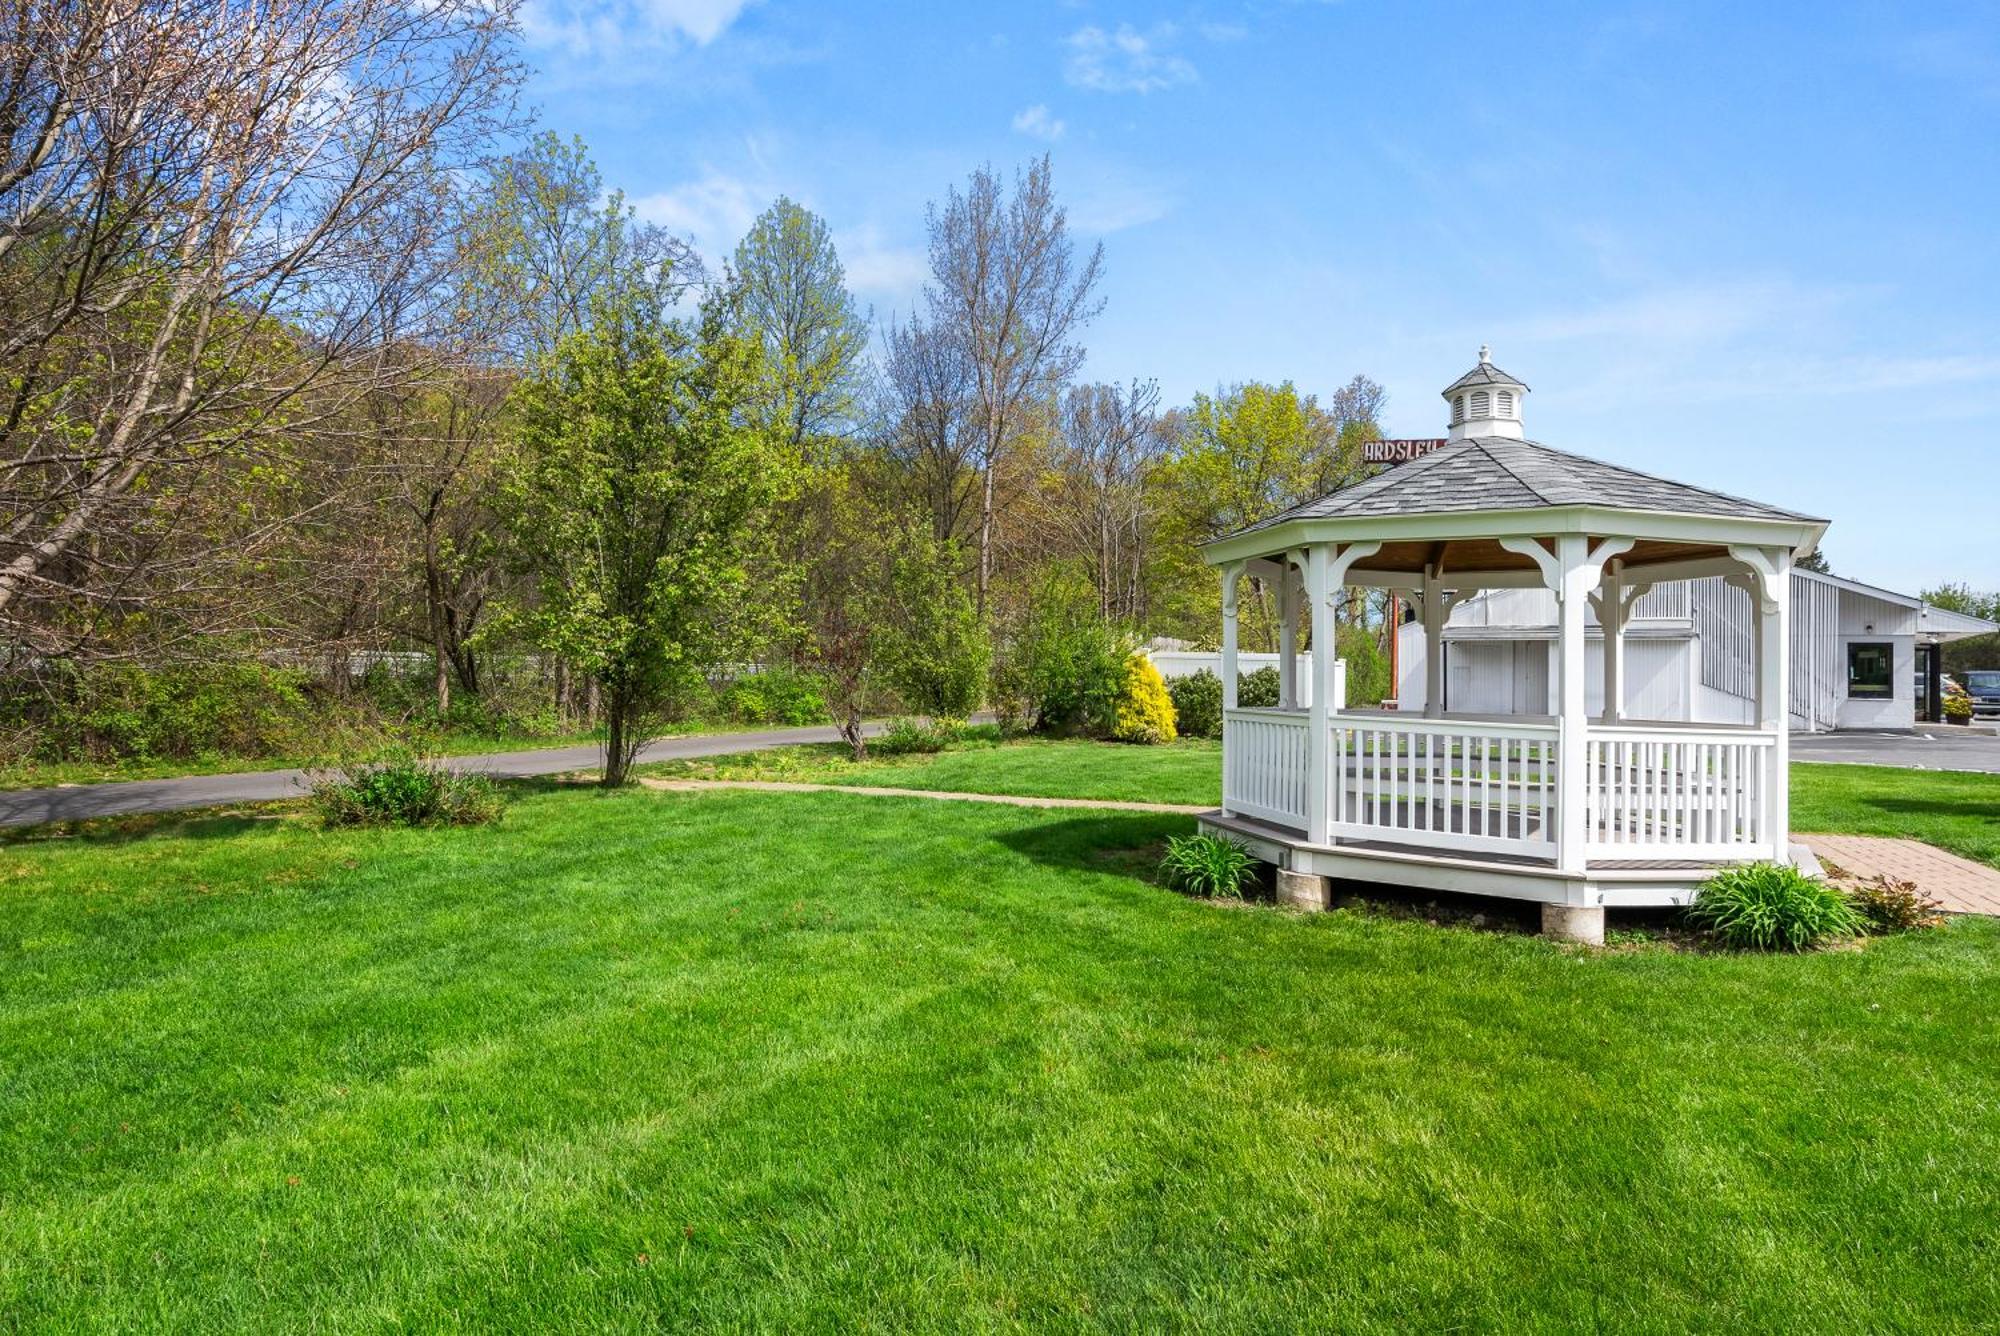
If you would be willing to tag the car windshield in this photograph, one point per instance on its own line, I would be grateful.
(1982, 681)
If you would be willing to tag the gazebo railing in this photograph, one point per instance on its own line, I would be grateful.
(1265, 764)
(1675, 792)
(1445, 783)
(1668, 791)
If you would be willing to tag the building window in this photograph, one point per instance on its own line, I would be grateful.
(1458, 409)
(1506, 398)
(1871, 671)
(1479, 408)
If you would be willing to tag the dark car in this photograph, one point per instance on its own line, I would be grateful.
(1983, 686)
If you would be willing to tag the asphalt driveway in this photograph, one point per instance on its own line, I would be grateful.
(1914, 751)
(74, 802)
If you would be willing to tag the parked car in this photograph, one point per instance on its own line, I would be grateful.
(1983, 685)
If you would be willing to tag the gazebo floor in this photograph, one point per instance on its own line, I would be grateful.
(1605, 883)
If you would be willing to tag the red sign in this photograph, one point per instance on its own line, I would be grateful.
(1397, 452)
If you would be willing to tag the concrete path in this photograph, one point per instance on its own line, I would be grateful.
(1949, 750)
(75, 802)
(1959, 884)
(1004, 799)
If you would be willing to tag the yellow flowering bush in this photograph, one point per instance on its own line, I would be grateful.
(1145, 710)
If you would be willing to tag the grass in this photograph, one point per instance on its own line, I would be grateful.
(1951, 809)
(1182, 772)
(640, 1061)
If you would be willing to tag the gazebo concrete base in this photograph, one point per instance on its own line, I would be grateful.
(1303, 890)
(1573, 923)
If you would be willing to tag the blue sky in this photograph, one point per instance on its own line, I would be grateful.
(1751, 246)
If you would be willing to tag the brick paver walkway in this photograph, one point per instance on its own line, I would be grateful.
(1006, 799)
(1961, 885)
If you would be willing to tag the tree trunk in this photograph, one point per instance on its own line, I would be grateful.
(615, 758)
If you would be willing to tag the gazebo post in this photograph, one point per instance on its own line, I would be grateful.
(1771, 572)
(1231, 574)
(1611, 616)
(1288, 637)
(1434, 615)
(1319, 750)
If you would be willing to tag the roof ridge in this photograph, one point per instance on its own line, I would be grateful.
(1508, 469)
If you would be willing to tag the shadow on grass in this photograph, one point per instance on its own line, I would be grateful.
(206, 823)
(1121, 843)
(1987, 811)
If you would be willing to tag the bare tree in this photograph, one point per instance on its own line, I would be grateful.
(190, 192)
(931, 424)
(1007, 284)
(1108, 439)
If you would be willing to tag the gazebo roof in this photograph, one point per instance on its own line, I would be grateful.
(1501, 473)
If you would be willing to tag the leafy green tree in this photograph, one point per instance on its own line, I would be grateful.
(1973, 652)
(934, 647)
(637, 481)
(1239, 456)
(795, 303)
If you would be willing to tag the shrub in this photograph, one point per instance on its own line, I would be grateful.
(1258, 690)
(1769, 906)
(1957, 702)
(1894, 906)
(1145, 712)
(776, 695)
(933, 647)
(904, 737)
(1367, 666)
(1197, 704)
(1066, 665)
(405, 791)
(1207, 865)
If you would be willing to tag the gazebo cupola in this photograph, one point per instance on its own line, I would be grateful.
(1485, 401)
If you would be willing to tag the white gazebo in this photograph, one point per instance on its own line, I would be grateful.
(1574, 811)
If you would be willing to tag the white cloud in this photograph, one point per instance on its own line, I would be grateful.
(1106, 206)
(584, 27)
(1125, 60)
(1698, 313)
(1039, 123)
(713, 211)
(880, 272)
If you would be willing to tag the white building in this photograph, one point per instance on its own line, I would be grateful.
(1859, 654)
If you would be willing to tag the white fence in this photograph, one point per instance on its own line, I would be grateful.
(1675, 793)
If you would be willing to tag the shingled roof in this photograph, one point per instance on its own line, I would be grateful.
(1483, 374)
(1502, 473)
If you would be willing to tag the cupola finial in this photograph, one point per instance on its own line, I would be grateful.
(1485, 355)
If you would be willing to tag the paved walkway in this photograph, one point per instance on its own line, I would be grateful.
(75, 802)
(1004, 799)
(1959, 884)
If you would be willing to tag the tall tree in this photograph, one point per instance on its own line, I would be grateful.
(796, 304)
(931, 425)
(186, 193)
(1107, 443)
(1007, 284)
(637, 482)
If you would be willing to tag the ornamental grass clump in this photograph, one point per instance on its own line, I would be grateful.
(405, 791)
(1770, 907)
(1210, 866)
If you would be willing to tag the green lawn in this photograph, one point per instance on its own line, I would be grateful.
(642, 1061)
(1959, 812)
(1185, 772)
(1953, 810)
